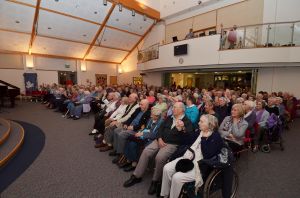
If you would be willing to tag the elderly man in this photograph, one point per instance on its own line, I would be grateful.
(169, 137)
(118, 124)
(136, 122)
(113, 98)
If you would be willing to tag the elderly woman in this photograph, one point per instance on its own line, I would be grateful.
(233, 127)
(141, 139)
(161, 103)
(207, 145)
(250, 115)
(262, 116)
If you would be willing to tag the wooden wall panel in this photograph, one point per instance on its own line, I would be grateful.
(179, 29)
(245, 13)
(205, 20)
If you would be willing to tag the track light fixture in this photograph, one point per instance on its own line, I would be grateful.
(120, 7)
(105, 2)
(145, 17)
(133, 12)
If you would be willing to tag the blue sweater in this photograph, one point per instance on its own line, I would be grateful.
(192, 113)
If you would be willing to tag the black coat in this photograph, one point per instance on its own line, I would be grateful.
(173, 136)
(143, 121)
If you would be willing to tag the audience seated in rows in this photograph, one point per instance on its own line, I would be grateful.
(139, 124)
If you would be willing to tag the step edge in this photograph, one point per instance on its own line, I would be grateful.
(7, 133)
(14, 151)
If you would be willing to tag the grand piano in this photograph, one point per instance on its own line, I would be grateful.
(10, 91)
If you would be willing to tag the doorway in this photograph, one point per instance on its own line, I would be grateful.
(67, 77)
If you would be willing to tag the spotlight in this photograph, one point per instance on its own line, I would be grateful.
(155, 21)
(145, 17)
(120, 7)
(133, 12)
(105, 2)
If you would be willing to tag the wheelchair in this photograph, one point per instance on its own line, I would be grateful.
(212, 187)
(273, 135)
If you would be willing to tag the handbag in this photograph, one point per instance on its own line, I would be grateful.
(185, 165)
(222, 160)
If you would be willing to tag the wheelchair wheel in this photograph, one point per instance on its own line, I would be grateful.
(265, 148)
(213, 185)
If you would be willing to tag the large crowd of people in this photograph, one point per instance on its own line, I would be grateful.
(142, 124)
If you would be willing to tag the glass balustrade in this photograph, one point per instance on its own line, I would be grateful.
(263, 35)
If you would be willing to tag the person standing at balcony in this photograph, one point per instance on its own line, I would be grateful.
(232, 37)
(190, 35)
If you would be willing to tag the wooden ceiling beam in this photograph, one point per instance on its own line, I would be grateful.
(34, 25)
(139, 8)
(141, 39)
(99, 30)
(55, 56)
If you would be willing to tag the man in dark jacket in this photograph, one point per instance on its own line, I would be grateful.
(169, 136)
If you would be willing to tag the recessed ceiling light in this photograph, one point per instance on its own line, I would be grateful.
(56, 0)
(49, 28)
(129, 24)
(141, 27)
(17, 21)
(84, 35)
(117, 19)
(95, 12)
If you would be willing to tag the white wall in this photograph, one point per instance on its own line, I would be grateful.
(156, 35)
(12, 68)
(279, 79)
(281, 10)
(96, 68)
(201, 51)
(153, 78)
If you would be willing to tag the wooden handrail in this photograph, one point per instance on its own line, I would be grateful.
(16, 148)
(6, 133)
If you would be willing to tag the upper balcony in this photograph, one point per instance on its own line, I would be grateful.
(254, 44)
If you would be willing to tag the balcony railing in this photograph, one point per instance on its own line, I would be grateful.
(261, 35)
(149, 53)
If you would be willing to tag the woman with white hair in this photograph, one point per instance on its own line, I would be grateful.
(250, 115)
(208, 144)
(141, 139)
(161, 103)
(76, 110)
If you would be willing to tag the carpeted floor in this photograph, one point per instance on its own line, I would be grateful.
(69, 166)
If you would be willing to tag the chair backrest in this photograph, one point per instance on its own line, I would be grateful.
(86, 108)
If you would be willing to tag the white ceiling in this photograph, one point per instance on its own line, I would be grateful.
(93, 10)
(10, 13)
(72, 20)
(124, 20)
(14, 41)
(114, 38)
(43, 45)
(66, 27)
(107, 54)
